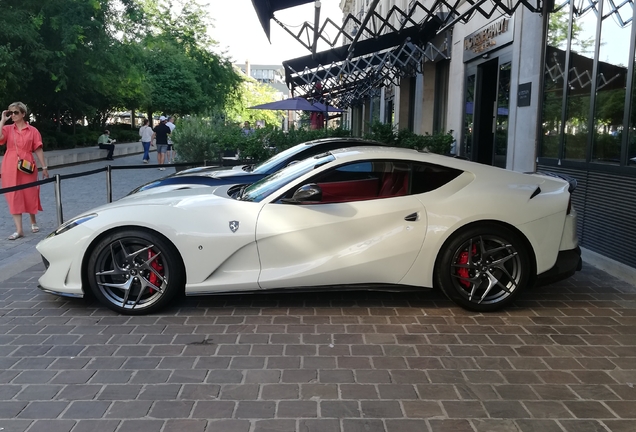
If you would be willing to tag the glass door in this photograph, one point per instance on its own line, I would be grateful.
(486, 106)
(501, 115)
(469, 102)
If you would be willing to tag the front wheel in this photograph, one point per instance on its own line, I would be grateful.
(135, 272)
(483, 268)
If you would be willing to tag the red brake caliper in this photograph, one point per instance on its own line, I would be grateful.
(153, 278)
(462, 271)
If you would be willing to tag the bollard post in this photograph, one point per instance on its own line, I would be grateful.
(109, 185)
(58, 199)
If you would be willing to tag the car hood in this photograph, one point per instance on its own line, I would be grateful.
(170, 197)
(216, 172)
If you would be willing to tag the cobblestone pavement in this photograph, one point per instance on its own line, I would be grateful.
(562, 359)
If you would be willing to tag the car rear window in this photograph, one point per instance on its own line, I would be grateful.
(428, 177)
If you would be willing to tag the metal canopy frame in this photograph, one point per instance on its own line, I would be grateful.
(621, 10)
(379, 50)
(265, 10)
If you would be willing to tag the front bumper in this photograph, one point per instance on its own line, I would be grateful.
(47, 264)
(62, 258)
(568, 262)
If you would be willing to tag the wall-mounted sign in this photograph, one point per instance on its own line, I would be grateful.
(490, 37)
(524, 94)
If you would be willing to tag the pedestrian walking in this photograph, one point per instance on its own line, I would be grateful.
(18, 166)
(145, 132)
(104, 142)
(170, 152)
(160, 134)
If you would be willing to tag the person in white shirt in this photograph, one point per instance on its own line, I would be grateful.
(171, 154)
(145, 132)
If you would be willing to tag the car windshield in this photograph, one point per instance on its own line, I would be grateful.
(267, 166)
(273, 182)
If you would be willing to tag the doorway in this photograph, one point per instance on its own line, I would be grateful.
(487, 102)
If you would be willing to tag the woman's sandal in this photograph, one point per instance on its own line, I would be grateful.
(15, 236)
(34, 228)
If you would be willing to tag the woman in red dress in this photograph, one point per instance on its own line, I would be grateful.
(22, 140)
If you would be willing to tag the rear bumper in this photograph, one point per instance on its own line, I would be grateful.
(568, 262)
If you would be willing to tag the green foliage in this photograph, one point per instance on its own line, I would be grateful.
(74, 61)
(186, 76)
(439, 143)
(558, 32)
(251, 93)
(196, 139)
(70, 136)
(383, 132)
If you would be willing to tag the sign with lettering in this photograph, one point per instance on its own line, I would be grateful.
(490, 37)
(524, 94)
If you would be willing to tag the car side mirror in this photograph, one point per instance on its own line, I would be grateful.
(306, 193)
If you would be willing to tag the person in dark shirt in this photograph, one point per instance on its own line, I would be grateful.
(161, 133)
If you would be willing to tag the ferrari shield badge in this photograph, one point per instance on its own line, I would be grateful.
(234, 226)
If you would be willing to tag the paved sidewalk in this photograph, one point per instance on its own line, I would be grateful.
(78, 195)
(563, 359)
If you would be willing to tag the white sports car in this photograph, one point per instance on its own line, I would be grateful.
(362, 218)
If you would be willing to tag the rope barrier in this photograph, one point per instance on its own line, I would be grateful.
(57, 179)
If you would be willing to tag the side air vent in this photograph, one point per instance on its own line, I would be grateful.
(536, 192)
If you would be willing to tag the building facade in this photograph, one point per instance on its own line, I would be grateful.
(528, 91)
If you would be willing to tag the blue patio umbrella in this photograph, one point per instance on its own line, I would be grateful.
(291, 104)
(331, 108)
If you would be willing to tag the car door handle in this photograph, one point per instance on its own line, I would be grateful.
(411, 218)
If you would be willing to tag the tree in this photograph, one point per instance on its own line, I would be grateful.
(251, 93)
(19, 41)
(178, 42)
(558, 26)
(76, 60)
(70, 60)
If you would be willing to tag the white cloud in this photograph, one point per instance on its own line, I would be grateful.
(239, 32)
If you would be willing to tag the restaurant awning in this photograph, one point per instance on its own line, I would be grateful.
(580, 76)
(265, 10)
(349, 80)
(376, 50)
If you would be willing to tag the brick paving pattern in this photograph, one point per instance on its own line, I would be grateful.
(562, 359)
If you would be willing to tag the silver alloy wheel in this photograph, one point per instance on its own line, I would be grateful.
(131, 273)
(486, 269)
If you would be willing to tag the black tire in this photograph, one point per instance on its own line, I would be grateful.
(135, 272)
(492, 275)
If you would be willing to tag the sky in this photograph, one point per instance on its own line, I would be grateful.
(239, 32)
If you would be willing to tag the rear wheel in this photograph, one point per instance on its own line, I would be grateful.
(483, 268)
(135, 272)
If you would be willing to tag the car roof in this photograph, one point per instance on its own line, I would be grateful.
(378, 152)
(383, 152)
(343, 140)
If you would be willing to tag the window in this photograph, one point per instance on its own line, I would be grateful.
(428, 177)
(361, 181)
(379, 179)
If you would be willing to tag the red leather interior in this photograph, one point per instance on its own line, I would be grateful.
(392, 184)
(353, 190)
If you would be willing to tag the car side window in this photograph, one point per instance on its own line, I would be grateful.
(359, 181)
(428, 177)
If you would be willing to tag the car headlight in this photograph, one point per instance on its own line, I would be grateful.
(72, 223)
